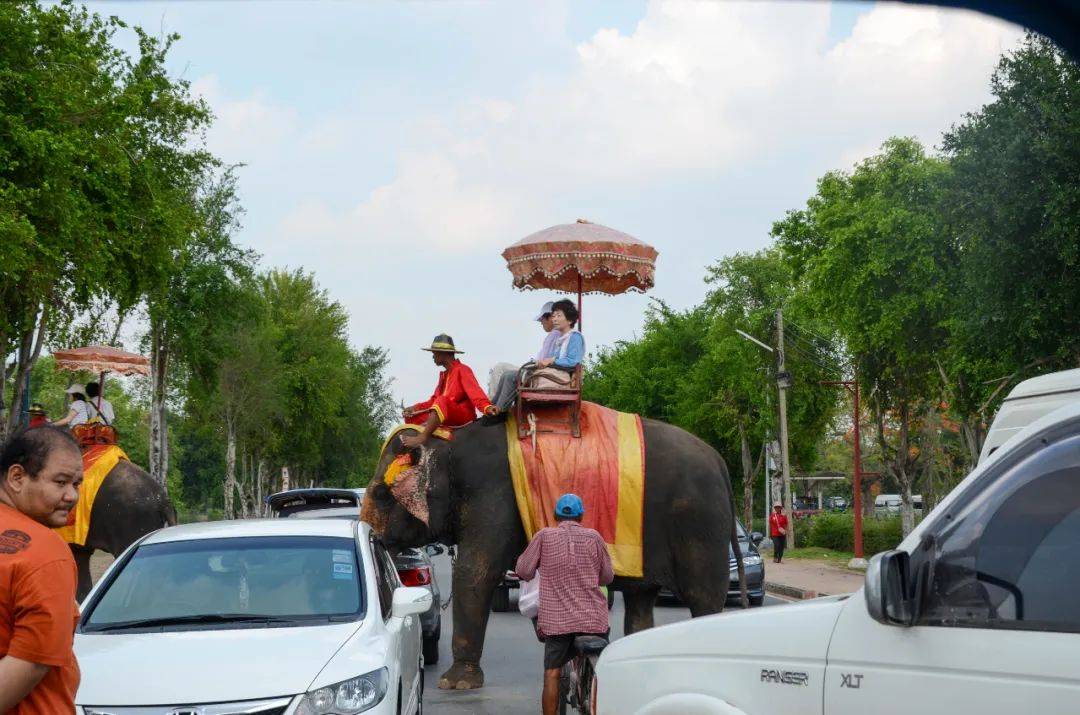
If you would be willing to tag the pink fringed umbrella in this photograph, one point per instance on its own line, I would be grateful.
(102, 359)
(582, 257)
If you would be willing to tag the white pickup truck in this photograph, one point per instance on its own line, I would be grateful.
(977, 611)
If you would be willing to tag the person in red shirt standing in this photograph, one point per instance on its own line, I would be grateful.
(575, 564)
(456, 399)
(40, 473)
(778, 531)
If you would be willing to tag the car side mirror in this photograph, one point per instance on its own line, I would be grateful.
(757, 537)
(410, 601)
(888, 589)
(434, 549)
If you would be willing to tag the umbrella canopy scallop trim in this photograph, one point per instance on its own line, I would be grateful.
(607, 261)
(102, 358)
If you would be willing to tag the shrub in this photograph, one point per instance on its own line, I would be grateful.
(836, 532)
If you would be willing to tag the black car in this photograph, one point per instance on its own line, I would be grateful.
(753, 565)
(414, 566)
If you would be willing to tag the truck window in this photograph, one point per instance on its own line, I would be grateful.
(1010, 557)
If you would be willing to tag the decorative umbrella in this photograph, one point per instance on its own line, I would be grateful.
(582, 257)
(102, 359)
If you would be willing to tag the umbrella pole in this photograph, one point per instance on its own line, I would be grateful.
(579, 322)
(100, 390)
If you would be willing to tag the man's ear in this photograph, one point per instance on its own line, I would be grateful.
(17, 477)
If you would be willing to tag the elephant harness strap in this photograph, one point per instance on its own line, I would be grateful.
(98, 461)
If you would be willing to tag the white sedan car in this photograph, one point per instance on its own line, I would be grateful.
(274, 617)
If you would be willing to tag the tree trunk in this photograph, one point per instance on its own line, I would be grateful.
(159, 432)
(973, 436)
(230, 468)
(907, 511)
(748, 479)
(260, 480)
(28, 353)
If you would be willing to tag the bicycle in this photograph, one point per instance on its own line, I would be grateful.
(578, 675)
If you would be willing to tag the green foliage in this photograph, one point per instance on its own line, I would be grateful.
(837, 532)
(1013, 200)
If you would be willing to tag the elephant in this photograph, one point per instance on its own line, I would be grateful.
(689, 524)
(129, 505)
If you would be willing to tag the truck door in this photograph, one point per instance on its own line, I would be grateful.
(999, 626)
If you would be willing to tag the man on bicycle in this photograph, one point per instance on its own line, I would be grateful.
(575, 563)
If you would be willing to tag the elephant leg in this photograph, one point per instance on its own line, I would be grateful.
(475, 578)
(82, 556)
(638, 603)
(701, 579)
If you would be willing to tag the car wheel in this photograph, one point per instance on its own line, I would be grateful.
(431, 649)
(757, 600)
(500, 601)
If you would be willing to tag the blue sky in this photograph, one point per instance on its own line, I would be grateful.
(395, 148)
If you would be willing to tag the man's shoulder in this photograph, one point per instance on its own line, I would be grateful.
(32, 543)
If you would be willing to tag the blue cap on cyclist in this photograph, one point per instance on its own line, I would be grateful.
(569, 506)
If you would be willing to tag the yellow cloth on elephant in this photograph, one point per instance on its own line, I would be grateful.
(98, 461)
(605, 467)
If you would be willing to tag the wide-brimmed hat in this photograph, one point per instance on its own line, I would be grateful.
(443, 343)
(777, 505)
(76, 388)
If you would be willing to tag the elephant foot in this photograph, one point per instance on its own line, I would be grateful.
(462, 676)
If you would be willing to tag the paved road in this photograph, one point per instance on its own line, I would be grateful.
(512, 659)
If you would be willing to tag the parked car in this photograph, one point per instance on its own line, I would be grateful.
(889, 504)
(975, 611)
(753, 566)
(414, 566)
(836, 503)
(266, 616)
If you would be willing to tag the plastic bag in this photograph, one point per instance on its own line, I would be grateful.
(529, 597)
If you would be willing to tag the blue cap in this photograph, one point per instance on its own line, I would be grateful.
(569, 505)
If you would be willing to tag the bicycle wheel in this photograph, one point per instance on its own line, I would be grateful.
(564, 687)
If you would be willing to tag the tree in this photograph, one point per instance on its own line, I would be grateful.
(877, 262)
(1012, 201)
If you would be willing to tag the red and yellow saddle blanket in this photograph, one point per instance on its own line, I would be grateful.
(605, 467)
(98, 461)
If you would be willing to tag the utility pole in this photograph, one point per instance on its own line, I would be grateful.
(783, 382)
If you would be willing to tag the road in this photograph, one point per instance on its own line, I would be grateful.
(512, 656)
(512, 659)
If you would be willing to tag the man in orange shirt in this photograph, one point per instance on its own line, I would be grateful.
(40, 473)
(456, 399)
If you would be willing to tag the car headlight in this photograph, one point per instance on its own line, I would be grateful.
(751, 560)
(354, 695)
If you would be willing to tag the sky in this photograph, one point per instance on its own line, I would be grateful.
(394, 149)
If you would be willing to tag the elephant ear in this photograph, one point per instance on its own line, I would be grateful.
(410, 485)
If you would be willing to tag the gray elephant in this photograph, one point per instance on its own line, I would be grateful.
(128, 505)
(688, 527)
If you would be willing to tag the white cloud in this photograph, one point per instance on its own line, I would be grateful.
(694, 92)
(696, 87)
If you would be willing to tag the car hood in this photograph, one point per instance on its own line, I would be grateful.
(798, 631)
(200, 666)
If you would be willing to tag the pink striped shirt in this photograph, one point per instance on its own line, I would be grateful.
(575, 563)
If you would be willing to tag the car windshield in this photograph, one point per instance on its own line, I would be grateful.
(252, 580)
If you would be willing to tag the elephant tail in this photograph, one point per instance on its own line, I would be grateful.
(744, 597)
(168, 512)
